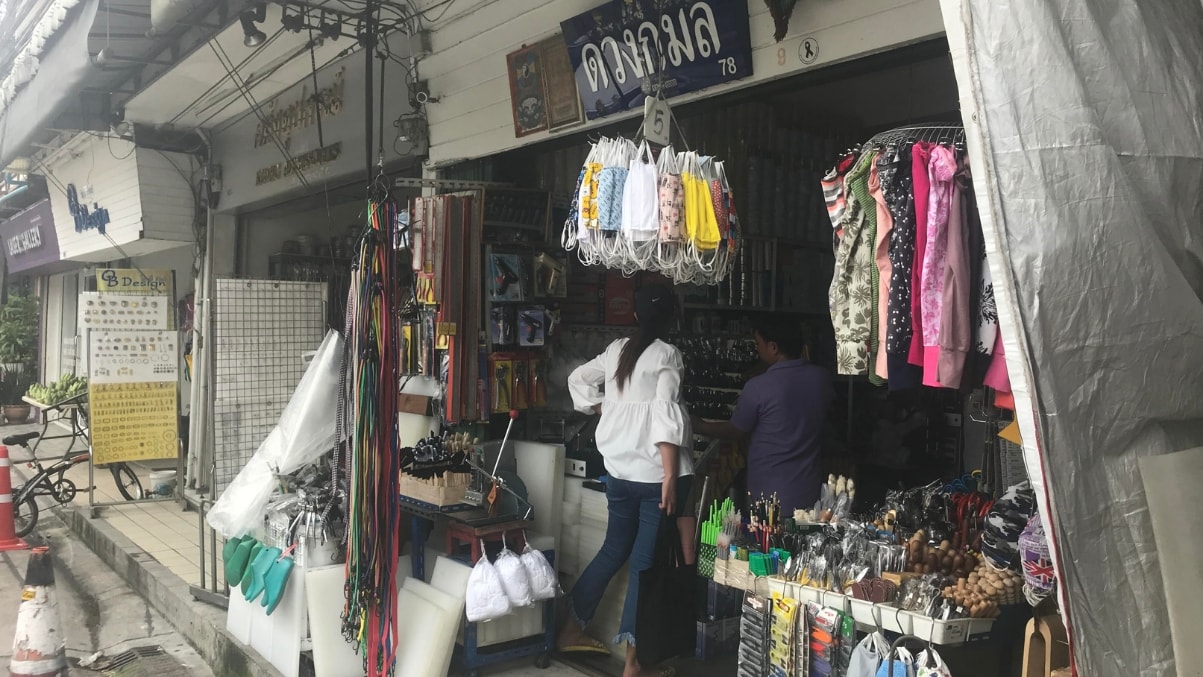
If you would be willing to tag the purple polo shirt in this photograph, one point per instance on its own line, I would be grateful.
(784, 409)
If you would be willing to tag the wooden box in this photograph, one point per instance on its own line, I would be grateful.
(448, 489)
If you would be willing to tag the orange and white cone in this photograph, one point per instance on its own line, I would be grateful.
(8, 526)
(39, 647)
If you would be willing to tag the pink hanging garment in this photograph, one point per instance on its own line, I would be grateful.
(920, 154)
(942, 167)
(956, 317)
(885, 269)
(996, 374)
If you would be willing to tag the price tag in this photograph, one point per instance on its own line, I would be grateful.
(657, 121)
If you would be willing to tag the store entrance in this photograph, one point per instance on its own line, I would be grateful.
(903, 424)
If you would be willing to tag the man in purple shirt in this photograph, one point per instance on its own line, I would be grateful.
(783, 412)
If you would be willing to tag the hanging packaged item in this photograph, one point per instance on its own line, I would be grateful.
(671, 213)
(544, 582)
(701, 225)
(929, 664)
(485, 598)
(899, 663)
(671, 194)
(868, 655)
(641, 198)
(514, 579)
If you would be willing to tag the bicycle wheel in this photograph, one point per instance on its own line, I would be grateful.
(127, 482)
(64, 491)
(25, 516)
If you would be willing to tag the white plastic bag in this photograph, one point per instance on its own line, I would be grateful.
(304, 432)
(513, 576)
(929, 664)
(544, 584)
(485, 599)
(868, 655)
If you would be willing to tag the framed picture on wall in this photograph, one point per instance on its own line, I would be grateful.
(528, 97)
(563, 100)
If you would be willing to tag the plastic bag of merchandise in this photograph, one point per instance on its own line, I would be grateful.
(929, 664)
(544, 583)
(898, 664)
(485, 598)
(868, 655)
(304, 432)
(514, 579)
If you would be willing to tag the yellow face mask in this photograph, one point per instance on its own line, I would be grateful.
(701, 226)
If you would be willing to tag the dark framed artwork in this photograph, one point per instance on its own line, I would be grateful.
(528, 96)
(563, 100)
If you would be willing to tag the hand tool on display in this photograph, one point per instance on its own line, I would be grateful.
(533, 324)
(500, 451)
(505, 277)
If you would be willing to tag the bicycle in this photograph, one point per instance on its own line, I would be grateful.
(51, 482)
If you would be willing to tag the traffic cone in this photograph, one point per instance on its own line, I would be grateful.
(8, 525)
(39, 648)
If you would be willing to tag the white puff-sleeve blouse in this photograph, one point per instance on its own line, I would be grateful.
(645, 413)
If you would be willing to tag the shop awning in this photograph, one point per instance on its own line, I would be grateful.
(64, 69)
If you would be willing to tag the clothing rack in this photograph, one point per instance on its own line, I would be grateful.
(949, 133)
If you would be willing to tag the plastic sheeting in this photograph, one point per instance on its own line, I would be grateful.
(1086, 117)
(305, 432)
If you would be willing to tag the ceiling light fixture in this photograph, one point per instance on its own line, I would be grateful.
(252, 36)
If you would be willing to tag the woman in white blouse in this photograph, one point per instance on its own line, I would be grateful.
(645, 440)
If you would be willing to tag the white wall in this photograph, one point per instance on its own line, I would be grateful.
(146, 193)
(467, 69)
(241, 159)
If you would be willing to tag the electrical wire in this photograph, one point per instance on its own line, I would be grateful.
(227, 64)
(216, 84)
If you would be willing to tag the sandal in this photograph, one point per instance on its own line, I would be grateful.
(591, 646)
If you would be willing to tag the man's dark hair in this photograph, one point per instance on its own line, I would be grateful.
(785, 332)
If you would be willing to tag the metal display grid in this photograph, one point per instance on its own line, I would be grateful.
(262, 330)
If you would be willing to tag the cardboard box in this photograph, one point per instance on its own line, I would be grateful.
(413, 404)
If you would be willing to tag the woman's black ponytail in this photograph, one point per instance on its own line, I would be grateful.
(654, 312)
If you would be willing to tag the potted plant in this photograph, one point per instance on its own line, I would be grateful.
(18, 353)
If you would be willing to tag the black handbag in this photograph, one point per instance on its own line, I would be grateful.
(665, 622)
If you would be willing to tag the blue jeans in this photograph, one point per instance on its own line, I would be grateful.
(634, 521)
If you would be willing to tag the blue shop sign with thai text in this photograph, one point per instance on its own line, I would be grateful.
(85, 219)
(624, 50)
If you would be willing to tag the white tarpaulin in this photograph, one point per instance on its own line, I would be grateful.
(1085, 119)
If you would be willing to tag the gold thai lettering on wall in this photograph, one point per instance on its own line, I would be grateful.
(300, 163)
(282, 120)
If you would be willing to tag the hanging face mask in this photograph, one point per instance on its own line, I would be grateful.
(701, 225)
(672, 196)
(641, 198)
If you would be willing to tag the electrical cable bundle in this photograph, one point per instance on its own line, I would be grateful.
(674, 215)
(369, 617)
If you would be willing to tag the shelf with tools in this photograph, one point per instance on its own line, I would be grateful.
(770, 275)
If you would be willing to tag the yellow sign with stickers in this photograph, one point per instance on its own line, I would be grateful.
(133, 421)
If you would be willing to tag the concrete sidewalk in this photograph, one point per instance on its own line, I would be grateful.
(99, 613)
